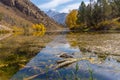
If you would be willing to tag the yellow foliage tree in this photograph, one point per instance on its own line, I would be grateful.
(39, 29)
(71, 19)
(17, 29)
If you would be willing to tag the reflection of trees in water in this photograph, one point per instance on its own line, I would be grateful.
(17, 50)
(15, 58)
(41, 33)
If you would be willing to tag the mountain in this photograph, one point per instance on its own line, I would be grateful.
(51, 13)
(23, 13)
(58, 17)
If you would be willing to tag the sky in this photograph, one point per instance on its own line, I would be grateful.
(58, 5)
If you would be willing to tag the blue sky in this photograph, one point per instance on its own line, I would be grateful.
(58, 5)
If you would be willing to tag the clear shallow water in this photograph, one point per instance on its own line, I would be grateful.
(16, 50)
(41, 67)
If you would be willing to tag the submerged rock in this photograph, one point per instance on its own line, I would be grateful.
(66, 55)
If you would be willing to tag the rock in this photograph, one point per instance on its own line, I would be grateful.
(8, 2)
(65, 55)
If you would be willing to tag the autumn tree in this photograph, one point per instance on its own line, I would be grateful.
(71, 19)
(39, 29)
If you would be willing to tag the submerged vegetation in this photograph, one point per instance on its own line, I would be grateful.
(102, 44)
(17, 50)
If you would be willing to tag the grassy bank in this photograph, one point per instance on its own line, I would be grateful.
(102, 44)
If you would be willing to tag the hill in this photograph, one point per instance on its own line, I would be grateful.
(23, 13)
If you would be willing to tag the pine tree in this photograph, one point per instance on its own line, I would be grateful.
(81, 13)
(117, 2)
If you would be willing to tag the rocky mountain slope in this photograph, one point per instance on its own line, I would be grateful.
(58, 17)
(51, 13)
(23, 13)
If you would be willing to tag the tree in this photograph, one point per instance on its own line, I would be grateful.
(97, 11)
(81, 13)
(117, 2)
(39, 29)
(90, 4)
(89, 17)
(71, 19)
(96, 16)
(114, 9)
(105, 9)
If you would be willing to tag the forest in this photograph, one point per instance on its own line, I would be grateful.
(96, 16)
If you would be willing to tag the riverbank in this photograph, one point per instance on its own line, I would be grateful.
(102, 44)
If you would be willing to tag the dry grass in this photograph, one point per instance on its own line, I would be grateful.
(99, 43)
(11, 17)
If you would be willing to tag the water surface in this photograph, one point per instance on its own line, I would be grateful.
(42, 65)
(28, 57)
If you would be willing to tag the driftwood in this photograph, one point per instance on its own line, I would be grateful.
(68, 61)
(63, 63)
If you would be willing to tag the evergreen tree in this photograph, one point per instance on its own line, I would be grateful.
(81, 13)
(96, 14)
(114, 9)
(89, 18)
(117, 2)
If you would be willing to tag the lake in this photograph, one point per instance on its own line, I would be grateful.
(60, 56)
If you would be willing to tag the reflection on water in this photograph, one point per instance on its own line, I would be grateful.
(42, 66)
(103, 44)
(17, 50)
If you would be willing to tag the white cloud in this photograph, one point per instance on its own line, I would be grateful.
(71, 7)
(53, 9)
(53, 4)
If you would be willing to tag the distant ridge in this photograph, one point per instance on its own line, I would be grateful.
(58, 17)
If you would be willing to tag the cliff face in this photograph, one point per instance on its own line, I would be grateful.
(27, 10)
